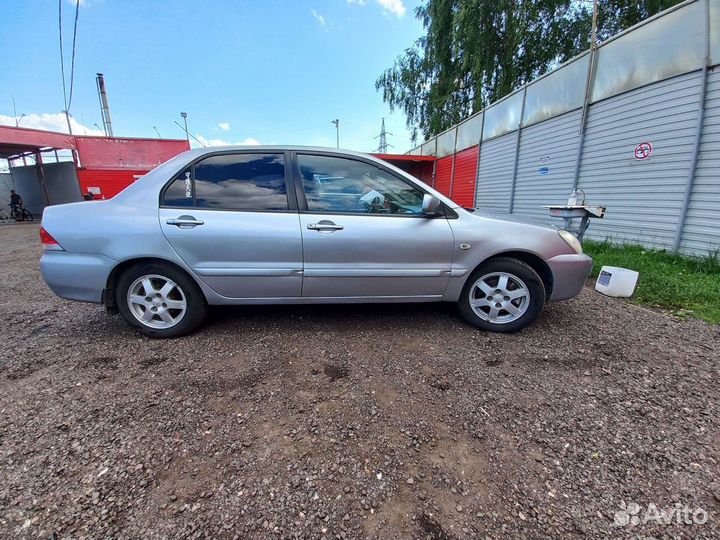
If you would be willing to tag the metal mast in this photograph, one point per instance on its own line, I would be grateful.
(104, 107)
(383, 146)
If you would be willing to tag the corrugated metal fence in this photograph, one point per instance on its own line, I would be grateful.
(645, 142)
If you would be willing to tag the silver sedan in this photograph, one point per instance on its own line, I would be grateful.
(299, 225)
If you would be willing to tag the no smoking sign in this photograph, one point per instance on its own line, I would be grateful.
(643, 150)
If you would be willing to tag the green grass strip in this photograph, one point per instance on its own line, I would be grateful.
(687, 286)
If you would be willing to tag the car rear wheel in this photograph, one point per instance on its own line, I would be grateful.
(503, 295)
(159, 300)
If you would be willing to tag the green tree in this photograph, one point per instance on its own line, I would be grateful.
(475, 52)
(617, 15)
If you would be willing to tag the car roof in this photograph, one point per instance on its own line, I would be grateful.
(155, 179)
(196, 152)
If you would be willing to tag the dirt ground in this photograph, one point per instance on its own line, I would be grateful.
(353, 421)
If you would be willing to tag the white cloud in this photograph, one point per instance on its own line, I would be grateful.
(81, 2)
(396, 7)
(358, 2)
(249, 141)
(51, 122)
(319, 18)
(224, 126)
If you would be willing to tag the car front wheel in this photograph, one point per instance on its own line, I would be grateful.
(503, 295)
(159, 300)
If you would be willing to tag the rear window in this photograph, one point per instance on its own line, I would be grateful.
(250, 182)
(180, 191)
(241, 182)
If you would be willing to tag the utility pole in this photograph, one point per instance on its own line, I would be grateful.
(593, 35)
(67, 119)
(187, 133)
(337, 131)
(17, 118)
(383, 146)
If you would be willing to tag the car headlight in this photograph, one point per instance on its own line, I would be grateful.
(571, 240)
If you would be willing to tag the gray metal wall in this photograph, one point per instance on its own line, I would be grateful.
(546, 164)
(60, 178)
(492, 193)
(29, 188)
(581, 126)
(701, 233)
(5, 186)
(644, 197)
(62, 182)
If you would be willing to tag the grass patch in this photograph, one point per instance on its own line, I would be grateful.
(684, 285)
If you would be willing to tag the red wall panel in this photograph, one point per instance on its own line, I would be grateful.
(426, 172)
(463, 190)
(443, 172)
(110, 182)
(127, 154)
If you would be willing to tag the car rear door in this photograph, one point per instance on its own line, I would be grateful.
(233, 220)
(364, 233)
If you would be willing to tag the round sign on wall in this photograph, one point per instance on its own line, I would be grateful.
(643, 150)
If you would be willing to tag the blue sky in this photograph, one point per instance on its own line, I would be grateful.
(272, 71)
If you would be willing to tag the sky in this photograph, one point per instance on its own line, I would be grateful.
(245, 71)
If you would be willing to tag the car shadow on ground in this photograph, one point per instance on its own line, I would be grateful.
(332, 313)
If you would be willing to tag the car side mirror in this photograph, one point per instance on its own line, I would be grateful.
(431, 205)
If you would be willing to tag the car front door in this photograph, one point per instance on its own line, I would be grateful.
(232, 219)
(364, 232)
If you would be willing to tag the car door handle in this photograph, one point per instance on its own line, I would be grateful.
(324, 226)
(186, 221)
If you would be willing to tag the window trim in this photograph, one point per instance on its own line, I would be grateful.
(289, 183)
(302, 199)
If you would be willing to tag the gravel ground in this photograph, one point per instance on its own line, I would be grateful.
(352, 422)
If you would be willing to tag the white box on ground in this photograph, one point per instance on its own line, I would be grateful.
(615, 281)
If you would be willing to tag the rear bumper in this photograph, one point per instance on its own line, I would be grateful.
(76, 276)
(569, 275)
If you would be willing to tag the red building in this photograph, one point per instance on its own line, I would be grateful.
(54, 168)
(109, 165)
(104, 166)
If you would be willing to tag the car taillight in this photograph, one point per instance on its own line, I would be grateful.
(47, 240)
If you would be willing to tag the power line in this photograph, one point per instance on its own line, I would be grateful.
(190, 134)
(67, 101)
(62, 62)
(72, 58)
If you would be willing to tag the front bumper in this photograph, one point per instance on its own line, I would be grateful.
(569, 275)
(76, 276)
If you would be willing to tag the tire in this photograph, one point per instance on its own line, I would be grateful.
(16, 215)
(27, 215)
(160, 300)
(507, 295)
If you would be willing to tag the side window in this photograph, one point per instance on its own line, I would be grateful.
(179, 192)
(241, 182)
(342, 185)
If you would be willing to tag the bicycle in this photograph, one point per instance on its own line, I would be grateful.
(4, 217)
(18, 213)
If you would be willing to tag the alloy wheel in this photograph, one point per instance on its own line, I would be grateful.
(156, 301)
(499, 297)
